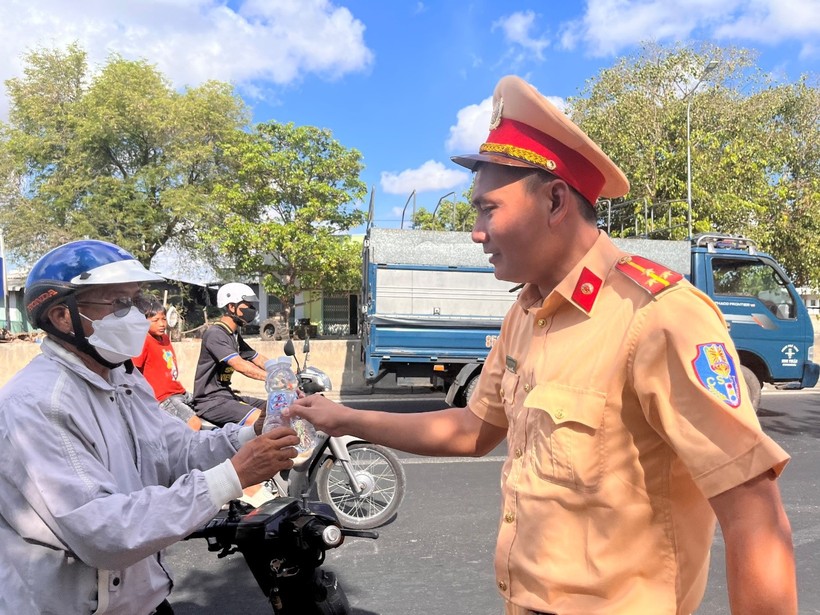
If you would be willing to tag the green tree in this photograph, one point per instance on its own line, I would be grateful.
(119, 156)
(754, 148)
(450, 215)
(285, 214)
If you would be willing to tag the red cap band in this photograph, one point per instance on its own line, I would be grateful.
(523, 142)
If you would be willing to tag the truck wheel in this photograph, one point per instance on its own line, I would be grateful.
(470, 388)
(753, 386)
(466, 392)
(267, 330)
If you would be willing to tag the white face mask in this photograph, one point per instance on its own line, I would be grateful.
(119, 338)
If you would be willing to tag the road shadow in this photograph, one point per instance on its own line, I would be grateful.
(806, 422)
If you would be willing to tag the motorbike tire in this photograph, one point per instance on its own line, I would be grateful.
(316, 594)
(382, 478)
(332, 599)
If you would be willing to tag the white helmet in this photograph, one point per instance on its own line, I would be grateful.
(234, 292)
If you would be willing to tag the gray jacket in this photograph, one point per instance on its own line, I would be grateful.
(95, 481)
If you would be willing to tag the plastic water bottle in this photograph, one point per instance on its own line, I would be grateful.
(281, 384)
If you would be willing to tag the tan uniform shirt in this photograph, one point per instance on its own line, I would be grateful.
(625, 412)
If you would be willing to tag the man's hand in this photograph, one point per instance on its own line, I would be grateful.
(326, 415)
(265, 455)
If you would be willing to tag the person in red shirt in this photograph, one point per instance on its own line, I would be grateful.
(158, 363)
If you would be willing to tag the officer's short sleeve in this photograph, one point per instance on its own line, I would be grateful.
(486, 402)
(686, 373)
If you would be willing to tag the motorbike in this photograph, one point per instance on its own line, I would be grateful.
(363, 483)
(284, 542)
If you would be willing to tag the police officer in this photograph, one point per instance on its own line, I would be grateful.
(618, 389)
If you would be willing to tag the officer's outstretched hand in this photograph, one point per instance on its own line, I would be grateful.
(265, 455)
(326, 415)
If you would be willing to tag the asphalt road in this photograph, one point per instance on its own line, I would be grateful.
(436, 556)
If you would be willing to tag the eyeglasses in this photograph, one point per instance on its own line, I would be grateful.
(123, 305)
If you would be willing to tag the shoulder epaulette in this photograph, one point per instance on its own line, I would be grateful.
(651, 276)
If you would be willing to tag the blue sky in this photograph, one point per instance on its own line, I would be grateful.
(407, 83)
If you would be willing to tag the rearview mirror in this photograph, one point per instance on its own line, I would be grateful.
(306, 347)
(289, 349)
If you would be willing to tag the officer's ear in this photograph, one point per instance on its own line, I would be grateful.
(560, 199)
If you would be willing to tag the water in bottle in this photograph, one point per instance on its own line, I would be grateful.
(281, 384)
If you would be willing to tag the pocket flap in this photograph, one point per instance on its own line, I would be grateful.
(566, 404)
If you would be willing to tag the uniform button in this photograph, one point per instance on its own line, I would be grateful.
(116, 581)
(527, 387)
(559, 414)
(111, 398)
(509, 517)
(128, 391)
(542, 322)
(502, 586)
(518, 452)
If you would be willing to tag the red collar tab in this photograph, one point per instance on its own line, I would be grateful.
(648, 274)
(586, 290)
(523, 142)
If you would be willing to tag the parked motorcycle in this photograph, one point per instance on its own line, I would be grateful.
(363, 483)
(284, 543)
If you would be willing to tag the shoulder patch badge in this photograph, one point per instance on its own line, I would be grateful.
(648, 274)
(715, 370)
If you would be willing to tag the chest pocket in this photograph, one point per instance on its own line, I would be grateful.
(568, 430)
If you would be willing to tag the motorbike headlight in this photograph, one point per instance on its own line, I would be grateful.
(324, 379)
(332, 536)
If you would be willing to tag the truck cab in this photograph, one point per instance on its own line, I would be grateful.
(768, 322)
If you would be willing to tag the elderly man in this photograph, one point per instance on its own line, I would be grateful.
(609, 382)
(94, 481)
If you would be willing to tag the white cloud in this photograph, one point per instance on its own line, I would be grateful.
(771, 21)
(472, 126)
(194, 40)
(610, 26)
(517, 29)
(559, 102)
(429, 177)
(473, 122)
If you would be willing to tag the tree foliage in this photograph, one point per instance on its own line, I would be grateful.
(447, 215)
(118, 155)
(283, 215)
(754, 148)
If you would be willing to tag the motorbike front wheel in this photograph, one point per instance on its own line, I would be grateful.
(381, 481)
(319, 594)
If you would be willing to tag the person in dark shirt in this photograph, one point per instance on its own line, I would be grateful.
(222, 353)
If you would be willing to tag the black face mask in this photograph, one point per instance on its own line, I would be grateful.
(248, 313)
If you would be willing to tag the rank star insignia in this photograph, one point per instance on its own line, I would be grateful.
(495, 118)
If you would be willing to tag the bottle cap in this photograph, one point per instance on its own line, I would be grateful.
(270, 364)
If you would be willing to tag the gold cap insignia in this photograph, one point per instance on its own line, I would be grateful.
(495, 118)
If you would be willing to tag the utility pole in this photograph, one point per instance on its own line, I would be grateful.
(710, 66)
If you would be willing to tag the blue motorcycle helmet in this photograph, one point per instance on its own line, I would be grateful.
(67, 269)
